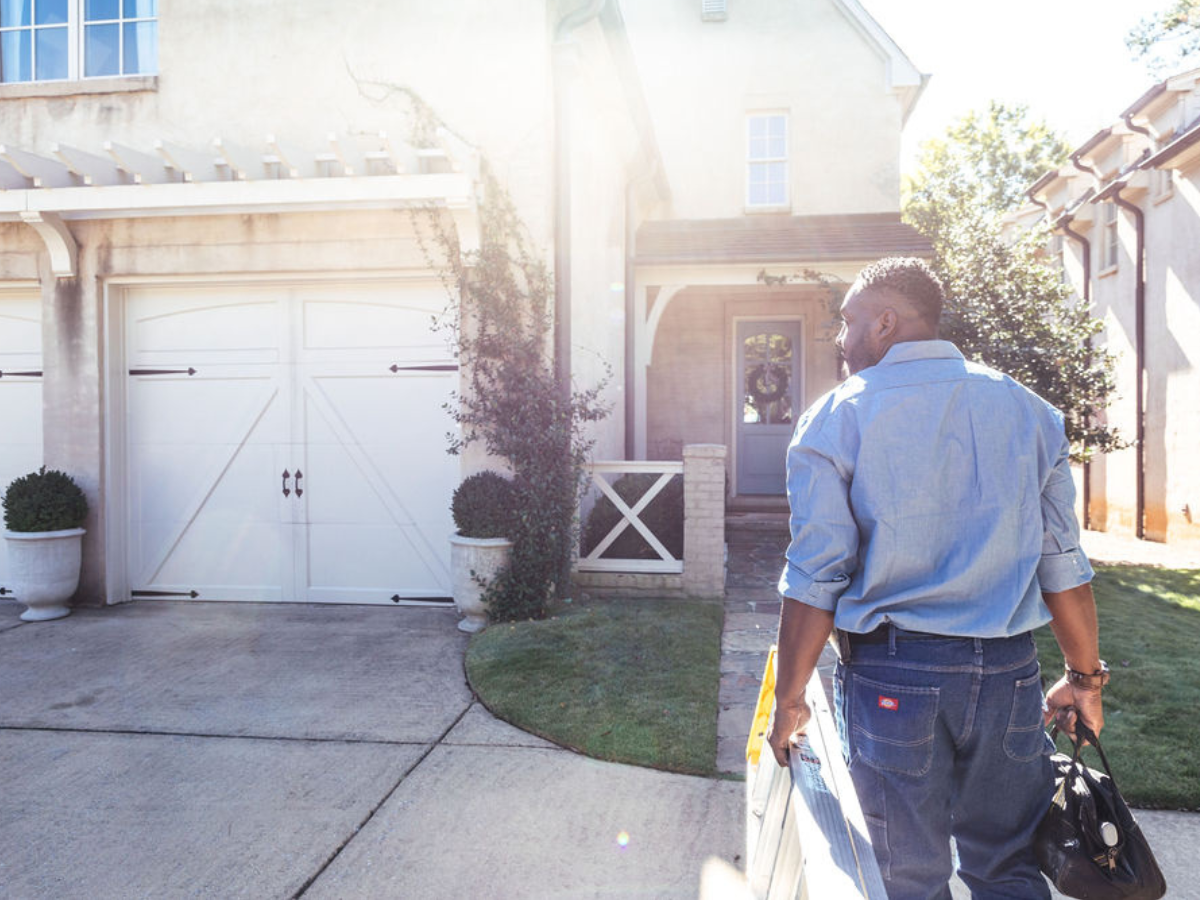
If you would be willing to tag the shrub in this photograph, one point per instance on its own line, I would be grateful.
(482, 506)
(663, 516)
(44, 501)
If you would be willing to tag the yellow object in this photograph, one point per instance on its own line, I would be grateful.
(762, 712)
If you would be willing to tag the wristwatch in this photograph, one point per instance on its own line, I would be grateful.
(1096, 680)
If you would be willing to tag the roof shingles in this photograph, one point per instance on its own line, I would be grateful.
(791, 239)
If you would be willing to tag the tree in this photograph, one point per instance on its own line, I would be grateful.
(1004, 306)
(1169, 39)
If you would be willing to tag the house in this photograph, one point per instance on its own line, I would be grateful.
(1125, 219)
(216, 306)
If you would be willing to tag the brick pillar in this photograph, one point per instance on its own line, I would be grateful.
(704, 520)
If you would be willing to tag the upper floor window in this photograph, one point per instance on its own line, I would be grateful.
(1109, 245)
(57, 40)
(767, 160)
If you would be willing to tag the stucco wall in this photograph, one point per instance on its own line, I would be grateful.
(701, 79)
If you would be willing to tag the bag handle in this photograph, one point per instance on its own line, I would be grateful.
(1085, 735)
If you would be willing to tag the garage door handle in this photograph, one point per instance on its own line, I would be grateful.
(286, 476)
(299, 490)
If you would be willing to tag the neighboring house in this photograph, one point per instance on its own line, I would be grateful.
(214, 308)
(1125, 214)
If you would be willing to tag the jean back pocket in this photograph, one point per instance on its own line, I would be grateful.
(892, 724)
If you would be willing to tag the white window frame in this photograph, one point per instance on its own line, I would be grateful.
(1110, 245)
(76, 43)
(752, 161)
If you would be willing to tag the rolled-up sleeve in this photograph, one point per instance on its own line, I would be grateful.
(1063, 564)
(824, 546)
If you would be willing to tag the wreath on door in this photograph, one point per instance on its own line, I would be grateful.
(767, 383)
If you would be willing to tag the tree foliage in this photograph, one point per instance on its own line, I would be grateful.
(1168, 39)
(1005, 307)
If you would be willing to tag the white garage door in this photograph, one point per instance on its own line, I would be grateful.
(289, 443)
(20, 393)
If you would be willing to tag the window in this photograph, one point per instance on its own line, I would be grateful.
(1109, 243)
(767, 156)
(1054, 252)
(58, 40)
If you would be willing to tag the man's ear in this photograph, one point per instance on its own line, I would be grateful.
(887, 323)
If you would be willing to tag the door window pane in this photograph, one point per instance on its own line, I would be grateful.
(15, 56)
(141, 48)
(14, 12)
(767, 377)
(50, 12)
(51, 44)
(100, 51)
(101, 10)
(141, 9)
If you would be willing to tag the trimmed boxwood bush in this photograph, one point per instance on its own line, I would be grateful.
(663, 516)
(483, 505)
(44, 501)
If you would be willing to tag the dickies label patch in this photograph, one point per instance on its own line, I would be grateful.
(889, 703)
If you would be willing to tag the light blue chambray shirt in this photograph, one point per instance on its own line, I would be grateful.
(933, 493)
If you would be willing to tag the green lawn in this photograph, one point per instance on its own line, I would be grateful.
(626, 680)
(1150, 636)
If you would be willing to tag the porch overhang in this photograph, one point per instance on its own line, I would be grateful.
(778, 240)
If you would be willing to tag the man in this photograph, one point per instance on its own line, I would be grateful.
(932, 518)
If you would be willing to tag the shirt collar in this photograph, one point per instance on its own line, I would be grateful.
(909, 351)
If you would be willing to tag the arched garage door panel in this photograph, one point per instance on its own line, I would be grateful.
(339, 387)
(20, 392)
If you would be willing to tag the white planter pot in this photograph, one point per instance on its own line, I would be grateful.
(44, 568)
(472, 559)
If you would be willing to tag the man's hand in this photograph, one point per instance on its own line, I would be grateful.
(784, 723)
(1065, 701)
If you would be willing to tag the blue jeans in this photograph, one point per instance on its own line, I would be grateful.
(944, 737)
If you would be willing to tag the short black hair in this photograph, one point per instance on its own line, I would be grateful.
(909, 277)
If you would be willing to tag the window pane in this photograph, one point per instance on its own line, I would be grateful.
(15, 56)
(50, 12)
(758, 126)
(777, 147)
(141, 48)
(758, 148)
(758, 194)
(100, 50)
(758, 173)
(767, 373)
(777, 194)
(778, 126)
(14, 12)
(141, 9)
(51, 46)
(777, 172)
(101, 9)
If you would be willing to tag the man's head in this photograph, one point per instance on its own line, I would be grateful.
(893, 300)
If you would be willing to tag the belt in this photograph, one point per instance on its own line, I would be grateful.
(880, 636)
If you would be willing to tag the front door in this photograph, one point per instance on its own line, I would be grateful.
(766, 397)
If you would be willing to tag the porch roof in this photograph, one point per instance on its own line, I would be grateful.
(778, 239)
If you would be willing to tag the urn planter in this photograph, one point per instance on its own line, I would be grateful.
(473, 560)
(44, 568)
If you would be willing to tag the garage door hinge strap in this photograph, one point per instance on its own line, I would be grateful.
(21, 374)
(4, 591)
(191, 594)
(187, 371)
(436, 368)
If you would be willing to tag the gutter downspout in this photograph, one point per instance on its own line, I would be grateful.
(563, 73)
(1139, 219)
(1086, 251)
(1086, 247)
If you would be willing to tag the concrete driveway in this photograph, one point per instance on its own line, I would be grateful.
(167, 749)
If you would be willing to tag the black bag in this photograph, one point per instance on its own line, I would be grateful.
(1089, 844)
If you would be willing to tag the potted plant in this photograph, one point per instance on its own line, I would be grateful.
(482, 508)
(44, 513)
